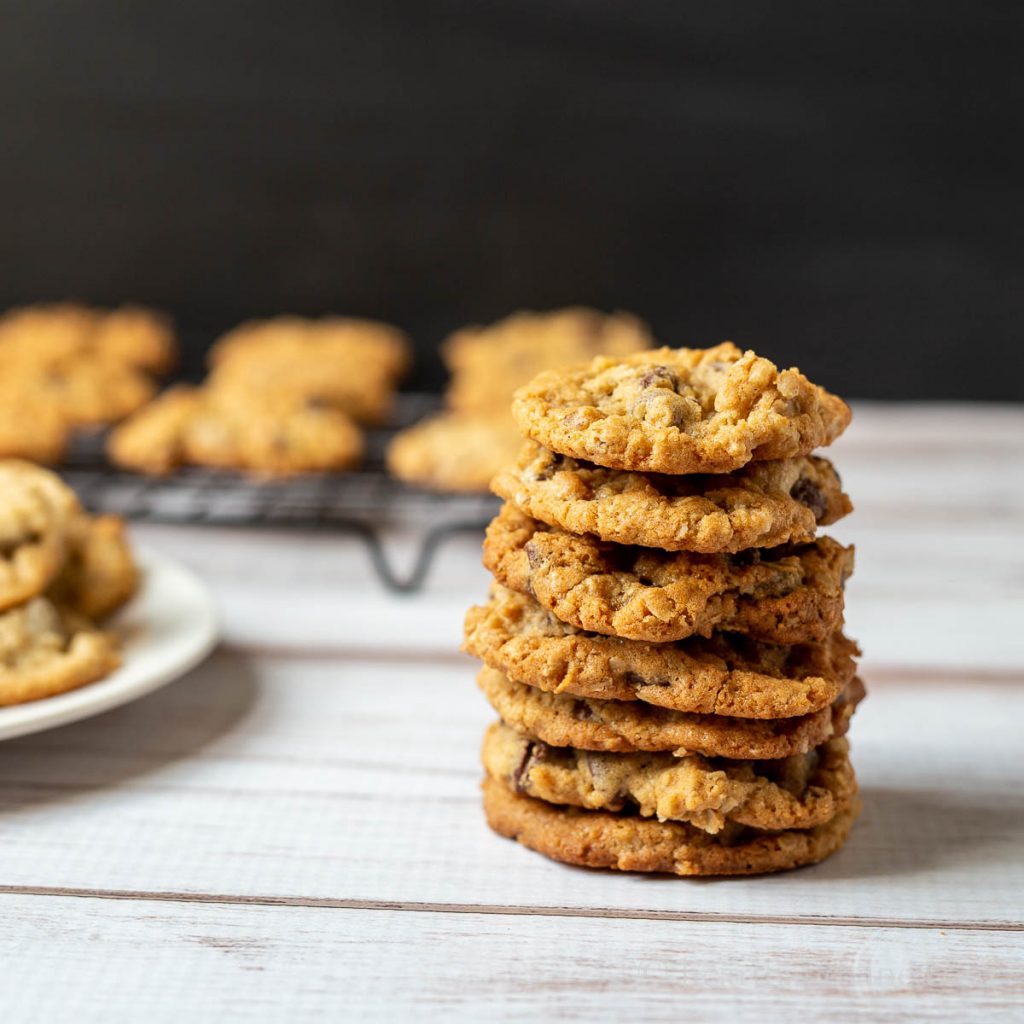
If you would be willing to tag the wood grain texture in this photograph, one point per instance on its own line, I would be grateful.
(294, 830)
(210, 963)
(356, 782)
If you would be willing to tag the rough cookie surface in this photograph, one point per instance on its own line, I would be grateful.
(762, 505)
(799, 791)
(100, 574)
(489, 363)
(453, 451)
(36, 512)
(784, 594)
(232, 430)
(599, 839)
(44, 651)
(562, 720)
(679, 411)
(30, 428)
(349, 364)
(153, 440)
(48, 335)
(726, 674)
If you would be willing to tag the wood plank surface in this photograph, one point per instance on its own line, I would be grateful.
(293, 831)
(355, 782)
(163, 962)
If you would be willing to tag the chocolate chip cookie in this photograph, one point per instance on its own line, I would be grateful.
(725, 674)
(599, 839)
(99, 574)
(48, 335)
(45, 651)
(453, 451)
(561, 720)
(787, 594)
(764, 504)
(227, 429)
(796, 792)
(347, 364)
(36, 513)
(488, 363)
(679, 411)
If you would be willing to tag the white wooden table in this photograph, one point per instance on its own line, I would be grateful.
(294, 832)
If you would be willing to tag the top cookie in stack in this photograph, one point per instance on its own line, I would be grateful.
(461, 448)
(664, 641)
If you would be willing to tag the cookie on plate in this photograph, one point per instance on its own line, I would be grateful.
(45, 651)
(36, 515)
(761, 505)
(99, 574)
(788, 594)
(679, 411)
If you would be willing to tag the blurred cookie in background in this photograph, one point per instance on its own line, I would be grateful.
(463, 448)
(349, 364)
(66, 367)
(129, 336)
(488, 363)
(265, 435)
(454, 451)
(283, 397)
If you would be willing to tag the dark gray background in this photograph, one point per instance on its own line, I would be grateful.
(840, 188)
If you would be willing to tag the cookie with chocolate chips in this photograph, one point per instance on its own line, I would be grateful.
(764, 504)
(679, 411)
(229, 429)
(36, 514)
(453, 451)
(45, 650)
(562, 720)
(628, 842)
(795, 792)
(789, 594)
(724, 674)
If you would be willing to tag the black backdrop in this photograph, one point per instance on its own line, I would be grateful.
(840, 188)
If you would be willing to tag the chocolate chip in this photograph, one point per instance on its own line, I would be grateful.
(535, 751)
(749, 557)
(552, 465)
(636, 679)
(533, 556)
(583, 712)
(597, 766)
(810, 495)
(659, 376)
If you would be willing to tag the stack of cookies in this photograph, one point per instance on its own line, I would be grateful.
(463, 447)
(664, 641)
(284, 396)
(61, 573)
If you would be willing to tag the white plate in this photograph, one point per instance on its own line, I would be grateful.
(166, 629)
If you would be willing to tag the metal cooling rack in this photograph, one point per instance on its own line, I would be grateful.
(363, 504)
